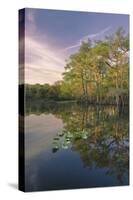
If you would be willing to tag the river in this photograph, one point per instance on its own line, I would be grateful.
(74, 146)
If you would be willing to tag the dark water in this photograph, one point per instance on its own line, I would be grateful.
(72, 146)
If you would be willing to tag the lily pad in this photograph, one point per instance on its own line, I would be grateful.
(69, 135)
(54, 142)
(64, 146)
(68, 142)
(56, 138)
(67, 139)
(55, 149)
(84, 136)
(60, 134)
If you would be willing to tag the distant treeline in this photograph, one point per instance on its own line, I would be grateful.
(97, 73)
(46, 92)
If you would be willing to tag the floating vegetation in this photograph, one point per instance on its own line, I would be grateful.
(68, 142)
(64, 146)
(84, 134)
(69, 135)
(60, 134)
(54, 142)
(56, 138)
(55, 149)
(63, 140)
(67, 139)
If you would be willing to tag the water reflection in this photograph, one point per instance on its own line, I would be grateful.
(99, 134)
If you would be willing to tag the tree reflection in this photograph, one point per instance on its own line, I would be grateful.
(98, 133)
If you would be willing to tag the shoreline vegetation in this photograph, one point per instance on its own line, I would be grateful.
(97, 74)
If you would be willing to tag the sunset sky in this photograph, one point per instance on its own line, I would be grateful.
(51, 36)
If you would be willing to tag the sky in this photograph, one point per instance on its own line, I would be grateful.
(51, 36)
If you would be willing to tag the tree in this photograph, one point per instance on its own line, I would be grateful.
(97, 73)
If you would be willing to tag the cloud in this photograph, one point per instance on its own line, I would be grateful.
(90, 36)
(43, 63)
(73, 46)
(100, 33)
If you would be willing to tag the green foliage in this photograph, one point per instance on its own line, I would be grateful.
(97, 68)
(91, 73)
(46, 91)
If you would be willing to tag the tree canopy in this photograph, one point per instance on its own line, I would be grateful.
(98, 72)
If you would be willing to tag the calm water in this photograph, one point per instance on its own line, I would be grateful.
(72, 146)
